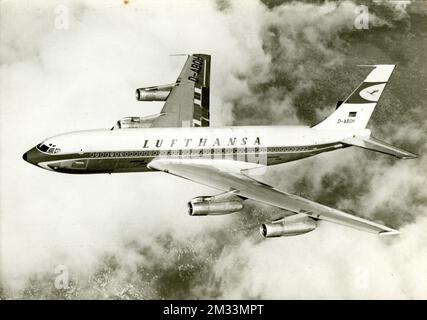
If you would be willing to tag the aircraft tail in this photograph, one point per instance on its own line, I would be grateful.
(355, 111)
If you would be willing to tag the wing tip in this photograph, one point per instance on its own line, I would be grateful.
(390, 232)
(410, 155)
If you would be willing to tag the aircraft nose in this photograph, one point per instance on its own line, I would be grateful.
(31, 156)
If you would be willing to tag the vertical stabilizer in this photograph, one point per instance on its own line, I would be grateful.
(356, 110)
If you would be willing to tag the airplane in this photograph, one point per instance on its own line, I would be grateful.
(180, 141)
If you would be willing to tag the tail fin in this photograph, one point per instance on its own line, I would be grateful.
(355, 111)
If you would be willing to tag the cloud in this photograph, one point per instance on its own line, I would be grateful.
(128, 236)
(317, 266)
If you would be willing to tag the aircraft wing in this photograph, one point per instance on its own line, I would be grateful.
(232, 176)
(188, 102)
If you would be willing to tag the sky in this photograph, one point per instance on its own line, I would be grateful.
(74, 65)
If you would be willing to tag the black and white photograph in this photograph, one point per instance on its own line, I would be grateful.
(241, 150)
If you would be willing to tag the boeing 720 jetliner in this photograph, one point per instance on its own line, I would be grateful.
(180, 141)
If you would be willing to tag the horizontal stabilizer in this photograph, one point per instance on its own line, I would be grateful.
(379, 146)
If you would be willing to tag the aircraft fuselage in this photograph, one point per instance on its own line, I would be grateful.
(130, 150)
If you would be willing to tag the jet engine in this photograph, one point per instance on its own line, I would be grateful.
(136, 122)
(156, 93)
(289, 226)
(212, 205)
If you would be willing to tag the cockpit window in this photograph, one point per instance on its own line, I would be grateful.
(43, 147)
(51, 148)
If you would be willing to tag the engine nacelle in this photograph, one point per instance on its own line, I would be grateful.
(156, 93)
(136, 122)
(290, 226)
(203, 206)
(142, 95)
